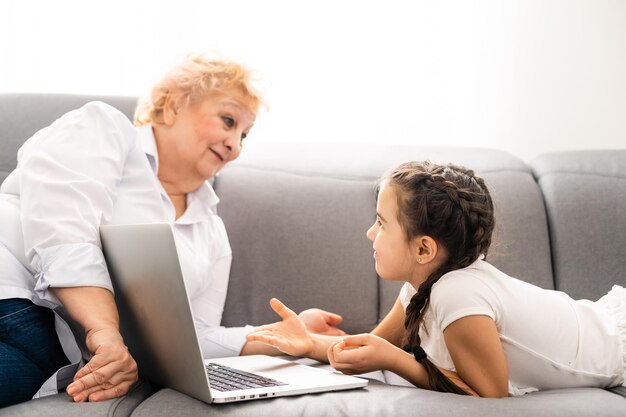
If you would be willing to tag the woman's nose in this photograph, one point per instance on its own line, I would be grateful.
(233, 142)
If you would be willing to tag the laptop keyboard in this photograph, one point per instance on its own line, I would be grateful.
(224, 378)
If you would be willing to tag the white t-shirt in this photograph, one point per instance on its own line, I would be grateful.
(549, 339)
(89, 168)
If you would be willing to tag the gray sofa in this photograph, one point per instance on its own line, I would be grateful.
(297, 216)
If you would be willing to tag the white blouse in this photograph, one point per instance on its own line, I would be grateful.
(92, 167)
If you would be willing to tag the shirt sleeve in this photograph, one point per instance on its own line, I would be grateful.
(69, 173)
(215, 340)
(406, 293)
(460, 294)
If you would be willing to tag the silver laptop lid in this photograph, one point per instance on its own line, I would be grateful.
(164, 344)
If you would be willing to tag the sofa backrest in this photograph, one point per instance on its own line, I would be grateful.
(21, 115)
(585, 197)
(297, 216)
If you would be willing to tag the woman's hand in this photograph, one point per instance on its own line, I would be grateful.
(111, 371)
(322, 322)
(289, 335)
(362, 353)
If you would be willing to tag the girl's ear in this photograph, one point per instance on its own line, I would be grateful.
(425, 249)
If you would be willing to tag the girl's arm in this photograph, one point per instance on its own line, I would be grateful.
(364, 353)
(391, 328)
(475, 348)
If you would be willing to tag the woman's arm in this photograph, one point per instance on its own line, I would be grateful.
(217, 341)
(111, 371)
(69, 173)
(290, 336)
(475, 348)
(294, 337)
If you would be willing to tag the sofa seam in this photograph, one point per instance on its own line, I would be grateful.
(117, 403)
(589, 174)
(354, 178)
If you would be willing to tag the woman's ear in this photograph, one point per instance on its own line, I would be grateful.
(425, 249)
(170, 111)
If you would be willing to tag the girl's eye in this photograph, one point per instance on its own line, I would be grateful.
(378, 222)
(243, 136)
(228, 121)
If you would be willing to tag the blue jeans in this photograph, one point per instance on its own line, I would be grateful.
(30, 351)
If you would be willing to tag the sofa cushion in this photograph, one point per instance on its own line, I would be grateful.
(61, 405)
(585, 195)
(291, 244)
(379, 399)
(21, 115)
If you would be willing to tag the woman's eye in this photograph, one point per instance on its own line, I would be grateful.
(243, 136)
(228, 121)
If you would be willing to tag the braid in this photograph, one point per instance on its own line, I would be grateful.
(454, 207)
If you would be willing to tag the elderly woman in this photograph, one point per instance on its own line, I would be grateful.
(58, 319)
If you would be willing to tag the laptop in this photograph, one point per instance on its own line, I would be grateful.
(157, 324)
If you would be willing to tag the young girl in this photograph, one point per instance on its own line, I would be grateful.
(459, 324)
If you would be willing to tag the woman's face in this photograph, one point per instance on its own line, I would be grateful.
(392, 251)
(209, 134)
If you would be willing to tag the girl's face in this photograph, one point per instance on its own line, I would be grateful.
(393, 254)
(210, 134)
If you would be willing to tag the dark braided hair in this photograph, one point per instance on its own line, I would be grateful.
(452, 206)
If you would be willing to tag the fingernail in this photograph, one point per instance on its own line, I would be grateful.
(71, 390)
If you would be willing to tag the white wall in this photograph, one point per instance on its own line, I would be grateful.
(526, 76)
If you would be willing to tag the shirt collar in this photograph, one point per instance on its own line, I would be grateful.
(148, 143)
(200, 203)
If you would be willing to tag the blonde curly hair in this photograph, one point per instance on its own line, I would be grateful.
(196, 78)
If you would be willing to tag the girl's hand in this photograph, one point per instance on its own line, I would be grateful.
(322, 322)
(362, 353)
(289, 335)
